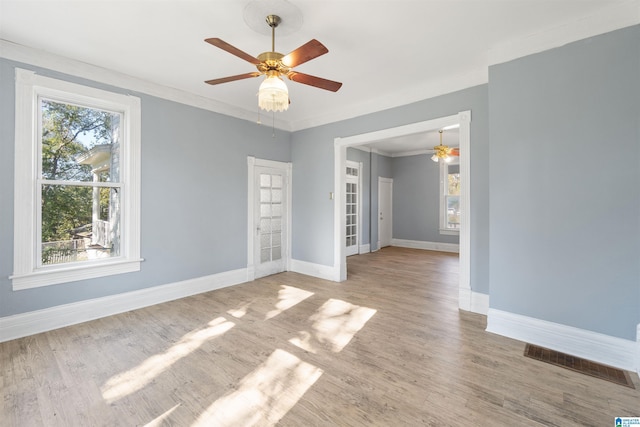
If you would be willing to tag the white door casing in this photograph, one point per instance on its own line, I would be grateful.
(385, 211)
(463, 118)
(269, 217)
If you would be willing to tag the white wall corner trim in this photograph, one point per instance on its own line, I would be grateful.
(638, 349)
(429, 246)
(320, 271)
(364, 249)
(474, 302)
(34, 322)
(594, 346)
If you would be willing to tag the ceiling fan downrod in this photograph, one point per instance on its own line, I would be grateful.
(273, 21)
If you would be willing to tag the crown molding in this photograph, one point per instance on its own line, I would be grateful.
(40, 58)
(613, 17)
(429, 89)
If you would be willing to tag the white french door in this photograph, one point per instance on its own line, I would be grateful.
(352, 230)
(269, 219)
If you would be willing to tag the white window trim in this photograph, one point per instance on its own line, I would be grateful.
(29, 87)
(444, 179)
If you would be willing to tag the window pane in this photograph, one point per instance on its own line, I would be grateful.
(453, 186)
(453, 212)
(265, 241)
(265, 180)
(276, 253)
(79, 143)
(79, 223)
(265, 255)
(277, 181)
(276, 195)
(265, 195)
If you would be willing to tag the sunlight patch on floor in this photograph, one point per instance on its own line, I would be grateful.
(159, 420)
(334, 325)
(240, 311)
(265, 395)
(288, 296)
(135, 379)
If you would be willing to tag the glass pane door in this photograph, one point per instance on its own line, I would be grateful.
(270, 228)
(352, 209)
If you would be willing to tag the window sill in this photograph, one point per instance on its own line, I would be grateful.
(450, 232)
(58, 275)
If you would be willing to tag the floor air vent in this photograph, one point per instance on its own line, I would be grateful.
(577, 364)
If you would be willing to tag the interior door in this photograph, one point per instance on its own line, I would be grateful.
(352, 231)
(385, 211)
(270, 207)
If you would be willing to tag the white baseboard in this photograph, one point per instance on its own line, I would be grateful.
(364, 249)
(315, 270)
(612, 351)
(473, 301)
(34, 322)
(638, 349)
(429, 246)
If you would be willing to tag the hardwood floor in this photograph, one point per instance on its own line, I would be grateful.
(387, 347)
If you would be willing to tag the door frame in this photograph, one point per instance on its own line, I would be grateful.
(462, 118)
(286, 167)
(382, 179)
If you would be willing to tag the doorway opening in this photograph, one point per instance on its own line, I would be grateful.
(463, 120)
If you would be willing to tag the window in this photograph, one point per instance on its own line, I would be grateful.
(77, 182)
(449, 198)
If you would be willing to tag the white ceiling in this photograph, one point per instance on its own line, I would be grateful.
(386, 53)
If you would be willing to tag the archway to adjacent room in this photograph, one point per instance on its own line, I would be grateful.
(463, 119)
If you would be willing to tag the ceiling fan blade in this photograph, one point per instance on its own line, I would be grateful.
(232, 78)
(306, 52)
(455, 151)
(232, 50)
(314, 81)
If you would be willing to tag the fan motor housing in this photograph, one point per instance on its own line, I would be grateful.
(271, 61)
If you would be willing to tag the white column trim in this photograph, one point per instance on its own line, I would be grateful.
(251, 268)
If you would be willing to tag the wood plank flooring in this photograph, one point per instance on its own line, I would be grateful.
(388, 347)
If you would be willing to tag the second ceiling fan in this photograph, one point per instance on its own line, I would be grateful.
(273, 94)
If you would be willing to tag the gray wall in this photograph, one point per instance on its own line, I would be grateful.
(565, 199)
(312, 155)
(416, 200)
(194, 196)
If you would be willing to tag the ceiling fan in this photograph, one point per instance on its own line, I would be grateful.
(444, 152)
(273, 93)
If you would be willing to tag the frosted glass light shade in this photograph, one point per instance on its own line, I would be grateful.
(273, 94)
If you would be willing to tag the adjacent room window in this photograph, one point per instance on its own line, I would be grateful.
(77, 182)
(449, 198)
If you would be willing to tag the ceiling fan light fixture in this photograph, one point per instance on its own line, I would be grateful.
(273, 94)
(441, 151)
